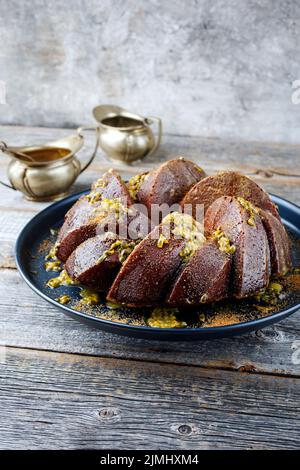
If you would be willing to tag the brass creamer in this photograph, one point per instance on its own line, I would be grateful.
(125, 136)
(46, 172)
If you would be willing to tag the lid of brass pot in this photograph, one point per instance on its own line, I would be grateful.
(126, 136)
(46, 172)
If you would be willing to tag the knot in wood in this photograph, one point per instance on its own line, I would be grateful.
(107, 413)
(184, 429)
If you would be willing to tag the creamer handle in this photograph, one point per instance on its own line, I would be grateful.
(80, 133)
(3, 147)
(159, 131)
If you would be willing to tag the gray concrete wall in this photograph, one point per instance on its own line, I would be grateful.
(216, 68)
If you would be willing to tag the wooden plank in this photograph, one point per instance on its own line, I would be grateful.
(287, 187)
(215, 154)
(283, 158)
(60, 401)
(11, 223)
(15, 214)
(272, 165)
(14, 201)
(29, 322)
(69, 401)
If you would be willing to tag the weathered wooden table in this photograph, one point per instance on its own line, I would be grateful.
(66, 386)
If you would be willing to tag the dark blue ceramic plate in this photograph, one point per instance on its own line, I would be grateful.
(30, 252)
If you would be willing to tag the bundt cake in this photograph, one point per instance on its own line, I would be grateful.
(96, 261)
(180, 261)
(279, 243)
(229, 183)
(240, 222)
(205, 278)
(107, 205)
(168, 183)
(154, 262)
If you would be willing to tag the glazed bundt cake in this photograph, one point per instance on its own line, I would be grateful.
(229, 183)
(169, 183)
(240, 222)
(155, 261)
(205, 278)
(181, 261)
(108, 204)
(96, 261)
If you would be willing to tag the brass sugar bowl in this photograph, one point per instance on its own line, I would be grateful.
(125, 136)
(46, 172)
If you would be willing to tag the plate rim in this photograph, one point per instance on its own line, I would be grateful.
(144, 330)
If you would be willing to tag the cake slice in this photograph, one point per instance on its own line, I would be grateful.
(96, 262)
(279, 243)
(204, 279)
(169, 182)
(240, 222)
(148, 272)
(228, 183)
(92, 214)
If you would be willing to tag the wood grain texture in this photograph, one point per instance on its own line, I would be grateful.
(83, 388)
(59, 401)
(272, 165)
(276, 167)
(26, 321)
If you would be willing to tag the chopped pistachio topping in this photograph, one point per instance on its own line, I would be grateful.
(264, 309)
(112, 305)
(223, 242)
(162, 241)
(271, 294)
(203, 299)
(100, 183)
(250, 208)
(135, 183)
(186, 227)
(165, 318)
(89, 297)
(62, 280)
(96, 193)
(202, 317)
(110, 206)
(94, 196)
(64, 299)
(53, 252)
(110, 251)
(122, 247)
(198, 168)
(54, 231)
(125, 251)
(53, 266)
